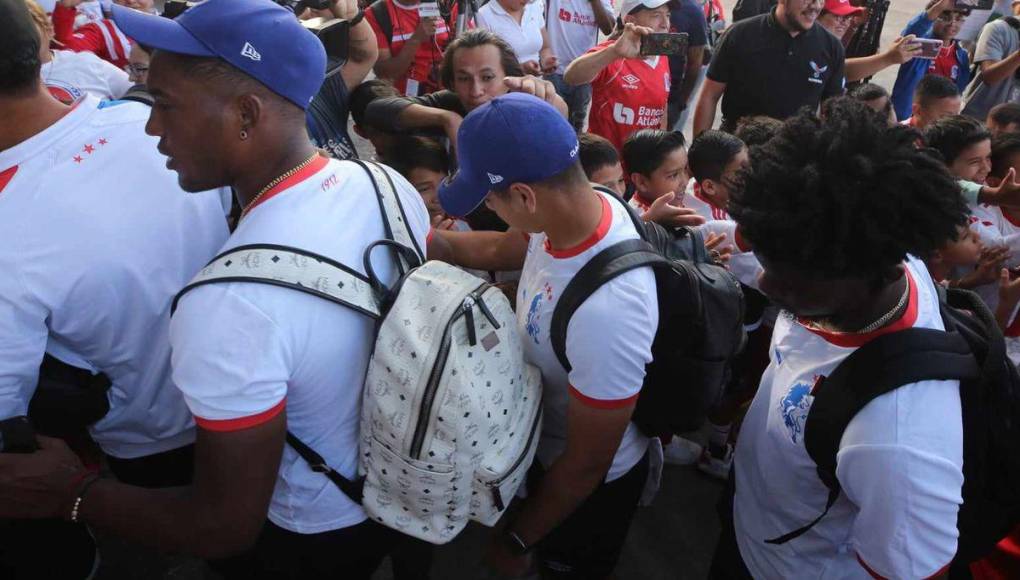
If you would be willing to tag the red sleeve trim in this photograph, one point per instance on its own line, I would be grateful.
(6, 176)
(430, 235)
(602, 403)
(222, 425)
(877, 576)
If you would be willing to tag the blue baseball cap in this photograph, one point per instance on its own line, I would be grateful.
(259, 37)
(515, 138)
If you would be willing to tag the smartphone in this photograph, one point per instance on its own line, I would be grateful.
(930, 47)
(429, 10)
(664, 43)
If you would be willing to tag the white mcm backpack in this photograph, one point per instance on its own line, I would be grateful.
(451, 413)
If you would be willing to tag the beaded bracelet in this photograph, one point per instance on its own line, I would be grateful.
(80, 496)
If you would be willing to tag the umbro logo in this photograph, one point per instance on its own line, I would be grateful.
(248, 51)
(495, 178)
(631, 79)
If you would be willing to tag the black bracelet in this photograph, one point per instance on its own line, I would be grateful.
(516, 544)
(357, 18)
(80, 496)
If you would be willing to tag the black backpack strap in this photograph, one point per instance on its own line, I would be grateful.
(382, 17)
(611, 262)
(881, 366)
(352, 489)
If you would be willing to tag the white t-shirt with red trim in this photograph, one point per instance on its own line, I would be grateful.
(244, 352)
(899, 463)
(996, 228)
(97, 239)
(609, 337)
(628, 95)
(72, 74)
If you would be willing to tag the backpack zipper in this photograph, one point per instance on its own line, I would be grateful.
(425, 411)
(497, 496)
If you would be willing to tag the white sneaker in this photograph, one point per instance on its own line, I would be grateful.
(682, 451)
(716, 466)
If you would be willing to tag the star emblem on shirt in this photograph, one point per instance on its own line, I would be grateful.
(89, 148)
(77, 158)
(103, 141)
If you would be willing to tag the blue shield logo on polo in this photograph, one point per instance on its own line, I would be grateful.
(794, 407)
(533, 314)
(818, 71)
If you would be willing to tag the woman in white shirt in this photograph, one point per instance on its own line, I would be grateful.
(522, 24)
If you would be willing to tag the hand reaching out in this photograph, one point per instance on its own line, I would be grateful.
(661, 212)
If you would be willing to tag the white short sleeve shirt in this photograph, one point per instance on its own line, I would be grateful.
(70, 75)
(572, 28)
(98, 238)
(526, 37)
(245, 352)
(899, 464)
(609, 337)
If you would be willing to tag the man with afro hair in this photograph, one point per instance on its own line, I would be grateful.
(836, 211)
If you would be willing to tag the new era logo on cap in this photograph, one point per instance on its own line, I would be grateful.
(495, 178)
(248, 51)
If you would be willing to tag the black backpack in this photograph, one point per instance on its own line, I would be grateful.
(701, 315)
(971, 350)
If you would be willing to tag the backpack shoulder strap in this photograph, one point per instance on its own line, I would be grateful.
(603, 267)
(635, 217)
(881, 366)
(292, 268)
(393, 214)
(382, 17)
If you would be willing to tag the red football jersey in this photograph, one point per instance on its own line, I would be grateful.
(946, 65)
(423, 75)
(627, 96)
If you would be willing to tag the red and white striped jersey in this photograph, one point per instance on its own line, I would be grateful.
(101, 37)
(694, 200)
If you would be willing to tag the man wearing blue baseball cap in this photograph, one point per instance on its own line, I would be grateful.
(519, 156)
(231, 81)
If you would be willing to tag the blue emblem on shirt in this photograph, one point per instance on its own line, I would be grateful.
(794, 407)
(532, 326)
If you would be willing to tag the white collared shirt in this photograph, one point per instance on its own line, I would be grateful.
(526, 37)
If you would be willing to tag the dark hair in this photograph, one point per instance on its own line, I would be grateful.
(143, 47)
(1005, 114)
(965, 10)
(711, 152)
(949, 136)
(847, 197)
(19, 49)
(645, 150)
(934, 87)
(757, 130)
(367, 92)
(596, 152)
(473, 39)
(1003, 147)
(869, 92)
(413, 152)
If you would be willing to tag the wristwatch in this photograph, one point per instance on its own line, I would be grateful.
(516, 544)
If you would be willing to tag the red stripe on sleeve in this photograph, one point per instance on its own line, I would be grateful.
(602, 403)
(6, 176)
(222, 425)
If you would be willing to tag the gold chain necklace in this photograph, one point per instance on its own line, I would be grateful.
(885, 318)
(276, 182)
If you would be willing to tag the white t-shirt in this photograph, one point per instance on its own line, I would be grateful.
(609, 337)
(998, 229)
(72, 74)
(244, 352)
(572, 29)
(526, 37)
(899, 464)
(98, 238)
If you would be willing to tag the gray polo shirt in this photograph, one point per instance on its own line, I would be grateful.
(997, 41)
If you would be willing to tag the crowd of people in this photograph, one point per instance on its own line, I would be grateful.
(521, 143)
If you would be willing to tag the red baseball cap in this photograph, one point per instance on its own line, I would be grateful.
(842, 7)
